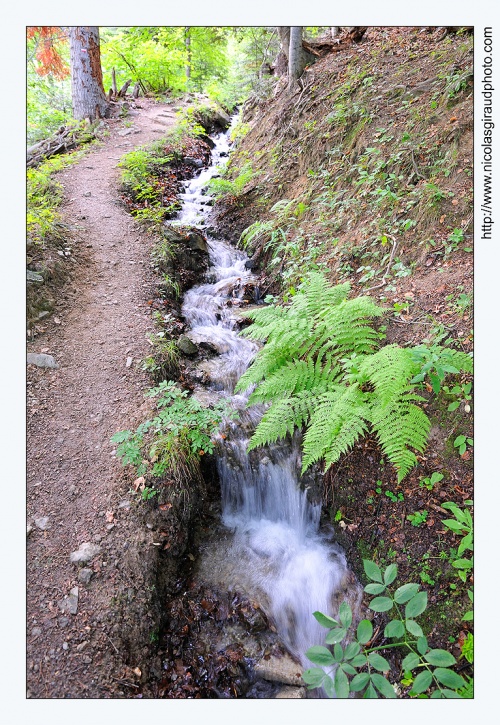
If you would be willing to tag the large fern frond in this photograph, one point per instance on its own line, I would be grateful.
(339, 419)
(389, 370)
(296, 376)
(281, 419)
(401, 426)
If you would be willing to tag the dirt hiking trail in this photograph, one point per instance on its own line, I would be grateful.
(76, 490)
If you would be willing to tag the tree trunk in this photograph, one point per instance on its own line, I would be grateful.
(280, 64)
(113, 83)
(296, 56)
(89, 100)
(187, 42)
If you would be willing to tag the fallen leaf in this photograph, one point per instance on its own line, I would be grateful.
(137, 671)
(139, 482)
(57, 320)
(453, 118)
(165, 506)
(454, 202)
(110, 517)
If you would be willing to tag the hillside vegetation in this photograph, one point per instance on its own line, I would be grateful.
(364, 174)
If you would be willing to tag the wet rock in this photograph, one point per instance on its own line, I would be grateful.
(251, 264)
(197, 241)
(86, 552)
(42, 523)
(221, 119)
(280, 669)
(186, 346)
(85, 575)
(291, 693)
(41, 360)
(195, 163)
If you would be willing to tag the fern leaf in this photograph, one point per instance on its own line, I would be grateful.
(339, 419)
(281, 418)
(401, 426)
(389, 370)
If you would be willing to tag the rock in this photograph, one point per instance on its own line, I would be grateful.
(204, 137)
(36, 632)
(65, 646)
(280, 669)
(85, 575)
(70, 603)
(129, 362)
(41, 360)
(221, 119)
(86, 552)
(42, 523)
(251, 264)
(196, 163)
(291, 693)
(33, 276)
(186, 346)
(29, 529)
(124, 505)
(197, 241)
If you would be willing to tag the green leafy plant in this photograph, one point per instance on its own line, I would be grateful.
(436, 362)
(182, 430)
(461, 442)
(418, 518)
(360, 668)
(232, 187)
(320, 370)
(462, 525)
(430, 482)
(461, 393)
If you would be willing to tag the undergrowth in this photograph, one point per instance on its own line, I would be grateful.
(321, 370)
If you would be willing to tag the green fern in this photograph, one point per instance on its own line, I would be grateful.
(320, 370)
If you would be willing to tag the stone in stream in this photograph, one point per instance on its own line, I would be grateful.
(186, 346)
(196, 163)
(280, 669)
(41, 360)
(85, 553)
(291, 693)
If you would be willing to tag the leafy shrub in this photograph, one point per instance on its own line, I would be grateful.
(359, 667)
(320, 370)
(182, 430)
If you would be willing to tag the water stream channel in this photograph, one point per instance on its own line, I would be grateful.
(274, 550)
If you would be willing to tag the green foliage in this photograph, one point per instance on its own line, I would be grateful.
(418, 518)
(359, 667)
(430, 482)
(231, 187)
(320, 370)
(461, 442)
(436, 362)
(461, 525)
(43, 197)
(173, 440)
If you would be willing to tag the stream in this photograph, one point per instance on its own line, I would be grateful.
(274, 551)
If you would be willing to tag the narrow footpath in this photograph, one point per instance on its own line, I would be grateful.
(76, 490)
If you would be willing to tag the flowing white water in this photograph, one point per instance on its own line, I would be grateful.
(275, 553)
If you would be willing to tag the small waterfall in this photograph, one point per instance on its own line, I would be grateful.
(274, 551)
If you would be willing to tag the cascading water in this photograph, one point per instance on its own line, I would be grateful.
(275, 552)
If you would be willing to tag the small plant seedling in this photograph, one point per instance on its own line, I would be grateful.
(148, 493)
(418, 518)
(429, 483)
(461, 442)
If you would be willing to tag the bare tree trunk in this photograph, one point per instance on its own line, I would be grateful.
(187, 43)
(113, 83)
(296, 56)
(280, 65)
(89, 100)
